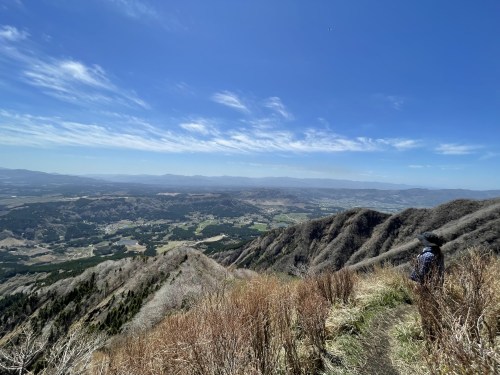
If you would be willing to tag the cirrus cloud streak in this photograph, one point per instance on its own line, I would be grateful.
(12, 34)
(66, 79)
(231, 100)
(456, 149)
(201, 136)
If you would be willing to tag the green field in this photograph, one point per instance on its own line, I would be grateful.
(261, 227)
(203, 225)
(292, 218)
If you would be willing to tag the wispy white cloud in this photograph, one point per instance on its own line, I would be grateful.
(437, 167)
(456, 149)
(183, 88)
(12, 34)
(419, 166)
(145, 11)
(231, 100)
(74, 81)
(200, 126)
(395, 101)
(6, 4)
(60, 75)
(405, 144)
(489, 155)
(451, 167)
(66, 79)
(135, 8)
(274, 103)
(196, 136)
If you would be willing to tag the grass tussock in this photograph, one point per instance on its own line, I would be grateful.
(460, 321)
(263, 326)
(335, 287)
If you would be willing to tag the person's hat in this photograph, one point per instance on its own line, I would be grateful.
(430, 239)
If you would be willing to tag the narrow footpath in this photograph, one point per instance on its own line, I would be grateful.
(376, 343)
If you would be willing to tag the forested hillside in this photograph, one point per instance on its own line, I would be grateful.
(112, 296)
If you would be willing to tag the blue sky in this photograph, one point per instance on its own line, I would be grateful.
(392, 91)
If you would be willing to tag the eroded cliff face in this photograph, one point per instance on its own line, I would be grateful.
(362, 237)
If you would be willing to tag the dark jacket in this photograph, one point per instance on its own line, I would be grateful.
(429, 268)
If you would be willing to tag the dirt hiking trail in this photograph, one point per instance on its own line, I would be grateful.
(376, 344)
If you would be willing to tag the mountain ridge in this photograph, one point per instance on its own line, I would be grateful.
(114, 296)
(362, 237)
(240, 181)
(24, 176)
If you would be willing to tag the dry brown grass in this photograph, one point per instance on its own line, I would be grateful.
(461, 320)
(263, 326)
(335, 287)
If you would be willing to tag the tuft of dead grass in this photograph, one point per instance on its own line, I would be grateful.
(335, 287)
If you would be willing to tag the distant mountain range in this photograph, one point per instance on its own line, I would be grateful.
(23, 177)
(246, 182)
(25, 182)
(363, 237)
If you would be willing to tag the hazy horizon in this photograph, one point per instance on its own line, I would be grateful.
(390, 92)
(308, 182)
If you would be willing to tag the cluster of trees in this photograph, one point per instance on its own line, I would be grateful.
(64, 310)
(30, 216)
(7, 257)
(181, 234)
(214, 247)
(111, 249)
(130, 305)
(15, 308)
(58, 271)
(145, 234)
(157, 207)
(50, 235)
(230, 230)
(79, 230)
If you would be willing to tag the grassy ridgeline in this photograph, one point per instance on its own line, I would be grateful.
(327, 324)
